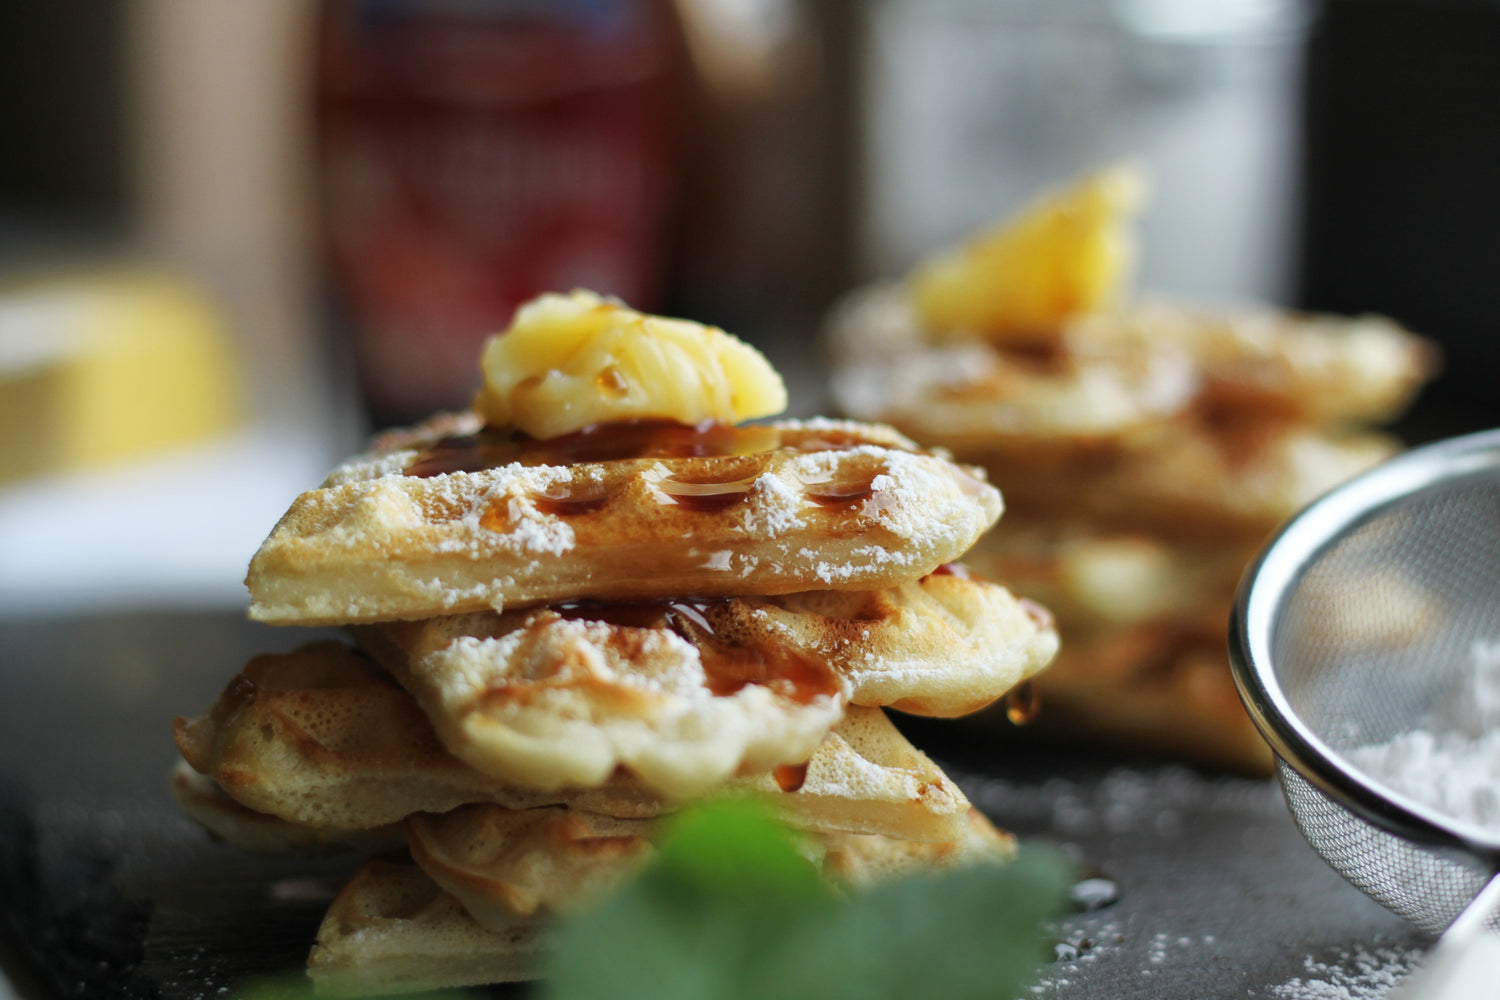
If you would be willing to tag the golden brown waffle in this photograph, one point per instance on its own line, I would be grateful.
(613, 513)
(1090, 577)
(505, 865)
(394, 929)
(205, 803)
(970, 394)
(1188, 478)
(1158, 688)
(1143, 621)
(321, 737)
(546, 701)
(1317, 368)
(685, 693)
(860, 860)
(1113, 374)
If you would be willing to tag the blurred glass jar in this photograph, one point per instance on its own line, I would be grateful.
(476, 152)
(972, 106)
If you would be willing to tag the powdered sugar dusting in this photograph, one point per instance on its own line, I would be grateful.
(1086, 943)
(1451, 762)
(1359, 975)
(773, 507)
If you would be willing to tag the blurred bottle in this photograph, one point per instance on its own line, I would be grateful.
(974, 105)
(477, 152)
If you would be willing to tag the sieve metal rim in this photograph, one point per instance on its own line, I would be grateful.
(1263, 593)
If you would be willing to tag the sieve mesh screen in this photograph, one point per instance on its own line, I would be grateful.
(1380, 621)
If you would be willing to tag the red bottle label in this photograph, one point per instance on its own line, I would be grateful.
(472, 160)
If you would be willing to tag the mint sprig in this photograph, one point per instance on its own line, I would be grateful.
(731, 911)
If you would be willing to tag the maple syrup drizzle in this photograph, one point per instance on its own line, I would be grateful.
(790, 777)
(612, 441)
(834, 494)
(705, 497)
(567, 499)
(1022, 704)
(728, 667)
(786, 672)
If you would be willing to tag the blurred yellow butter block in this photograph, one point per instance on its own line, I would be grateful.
(102, 366)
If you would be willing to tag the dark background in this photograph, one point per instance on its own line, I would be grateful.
(1400, 174)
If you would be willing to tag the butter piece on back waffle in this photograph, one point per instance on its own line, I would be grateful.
(768, 510)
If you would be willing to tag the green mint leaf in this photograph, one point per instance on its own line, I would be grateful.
(731, 911)
(967, 933)
(712, 846)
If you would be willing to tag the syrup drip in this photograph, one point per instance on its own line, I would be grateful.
(840, 495)
(705, 497)
(1022, 703)
(567, 499)
(790, 777)
(728, 668)
(613, 441)
(786, 672)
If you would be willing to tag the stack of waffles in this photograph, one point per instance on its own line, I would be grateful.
(1147, 449)
(560, 631)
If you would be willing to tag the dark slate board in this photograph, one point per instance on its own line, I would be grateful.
(105, 890)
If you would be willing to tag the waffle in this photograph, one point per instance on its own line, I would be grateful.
(1090, 577)
(862, 860)
(1159, 688)
(1112, 374)
(1317, 368)
(547, 701)
(201, 798)
(1144, 662)
(393, 929)
(686, 693)
(1189, 478)
(321, 738)
(506, 866)
(613, 514)
(583, 603)
(970, 394)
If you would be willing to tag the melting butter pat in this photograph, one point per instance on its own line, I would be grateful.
(569, 361)
(1068, 253)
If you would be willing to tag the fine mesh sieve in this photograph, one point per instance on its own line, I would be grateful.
(1361, 616)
